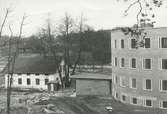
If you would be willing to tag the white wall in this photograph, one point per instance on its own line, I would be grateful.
(33, 78)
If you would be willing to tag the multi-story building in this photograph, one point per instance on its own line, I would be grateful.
(140, 75)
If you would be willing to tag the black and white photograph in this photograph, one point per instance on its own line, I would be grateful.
(83, 57)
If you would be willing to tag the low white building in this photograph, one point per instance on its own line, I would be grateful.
(35, 72)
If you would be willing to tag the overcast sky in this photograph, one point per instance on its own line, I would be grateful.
(100, 14)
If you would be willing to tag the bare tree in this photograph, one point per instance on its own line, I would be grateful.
(11, 61)
(80, 27)
(4, 20)
(66, 29)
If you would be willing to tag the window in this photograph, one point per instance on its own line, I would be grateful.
(19, 81)
(28, 74)
(116, 95)
(116, 79)
(164, 64)
(123, 98)
(37, 81)
(133, 63)
(133, 83)
(122, 82)
(115, 43)
(122, 43)
(28, 81)
(46, 81)
(148, 102)
(134, 100)
(133, 43)
(116, 61)
(147, 64)
(147, 84)
(122, 62)
(163, 85)
(163, 104)
(37, 74)
(163, 42)
(147, 43)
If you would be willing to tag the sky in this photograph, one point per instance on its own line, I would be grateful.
(99, 14)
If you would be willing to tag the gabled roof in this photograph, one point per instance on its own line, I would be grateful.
(35, 64)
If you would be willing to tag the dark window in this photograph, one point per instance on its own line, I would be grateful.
(164, 63)
(122, 43)
(147, 63)
(116, 95)
(164, 104)
(147, 43)
(46, 81)
(116, 79)
(164, 42)
(37, 74)
(122, 62)
(37, 81)
(148, 103)
(134, 100)
(123, 97)
(116, 61)
(133, 43)
(164, 85)
(28, 81)
(133, 83)
(133, 64)
(28, 73)
(115, 44)
(148, 84)
(19, 73)
(19, 81)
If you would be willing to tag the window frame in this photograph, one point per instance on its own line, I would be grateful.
(144, 84)
(122, 46)
(29, 81)
(145, 104)
(160, 44)
(131, 43)
(161, 64)
(160, 86)
(121, 63)
(130, 62)
(131, 100)
(131, 83)
(37, 81)
(20, 79)
(121, 81)
(150, 43)
(123, 94)
(161, 104)
(143, 63)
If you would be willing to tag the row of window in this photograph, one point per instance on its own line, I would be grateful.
(147, 43)
(37, 81)
(147, 83)
(147, 63)
(148, 102)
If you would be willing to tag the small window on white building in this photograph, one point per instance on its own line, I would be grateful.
(133, 63)
(122, 82)
(37, 81)
(147, 84)
(122, 43)
(163, 104)
(148, 103)
(164, 64)
(116, 79)
(46, 81)
(163, 85)
(122, 62)
(147, 64)
(147, 43)
(19, 81)
(133, 83)
(28, 81)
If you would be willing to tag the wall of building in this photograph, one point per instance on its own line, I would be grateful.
(93, 87)
(155, 73)
(32, 77)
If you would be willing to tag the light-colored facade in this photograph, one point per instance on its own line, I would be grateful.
(35, 81)
(140, 75)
